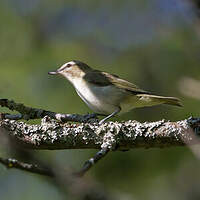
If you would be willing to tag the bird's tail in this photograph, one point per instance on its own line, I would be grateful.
(154, 99)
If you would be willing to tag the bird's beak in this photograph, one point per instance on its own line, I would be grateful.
(53, 73)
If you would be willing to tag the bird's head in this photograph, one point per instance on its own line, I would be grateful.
(72, 70)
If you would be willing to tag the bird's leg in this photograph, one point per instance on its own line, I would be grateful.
(111, 115)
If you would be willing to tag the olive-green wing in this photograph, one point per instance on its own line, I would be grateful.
(123, 84)
(104, 79)
(97, 78)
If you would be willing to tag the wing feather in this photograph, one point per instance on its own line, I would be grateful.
(104, 79)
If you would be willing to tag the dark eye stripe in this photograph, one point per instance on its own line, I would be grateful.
(64, 67)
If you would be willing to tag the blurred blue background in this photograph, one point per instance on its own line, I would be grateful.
(154, 44)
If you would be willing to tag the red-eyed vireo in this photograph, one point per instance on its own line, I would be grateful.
(106, 93)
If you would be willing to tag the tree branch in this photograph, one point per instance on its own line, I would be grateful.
(89, 163)
(64, 180)
(35, 113)
(112, 135)
(51, 134)
(13, 163)
(33, 168)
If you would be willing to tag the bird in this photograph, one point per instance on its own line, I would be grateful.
(108, 94)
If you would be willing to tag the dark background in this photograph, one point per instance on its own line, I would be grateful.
(154, 44)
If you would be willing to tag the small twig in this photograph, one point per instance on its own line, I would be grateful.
(89, 163)
(13, 163)
(33, 168)
(11, 116)
(35, 113)
(64, 180)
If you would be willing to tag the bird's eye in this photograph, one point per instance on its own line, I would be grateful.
(69, 65)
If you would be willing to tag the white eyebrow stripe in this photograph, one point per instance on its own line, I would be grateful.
(71, 63)
(64, 65)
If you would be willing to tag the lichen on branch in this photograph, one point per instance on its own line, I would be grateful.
(51, 134)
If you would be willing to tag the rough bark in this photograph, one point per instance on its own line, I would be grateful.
(51, 134)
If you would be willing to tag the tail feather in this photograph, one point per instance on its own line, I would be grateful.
(173, 101)
(154, 99)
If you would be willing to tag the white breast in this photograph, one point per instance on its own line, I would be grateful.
(98, 98)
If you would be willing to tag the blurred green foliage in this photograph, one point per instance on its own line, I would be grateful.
(152, 44)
